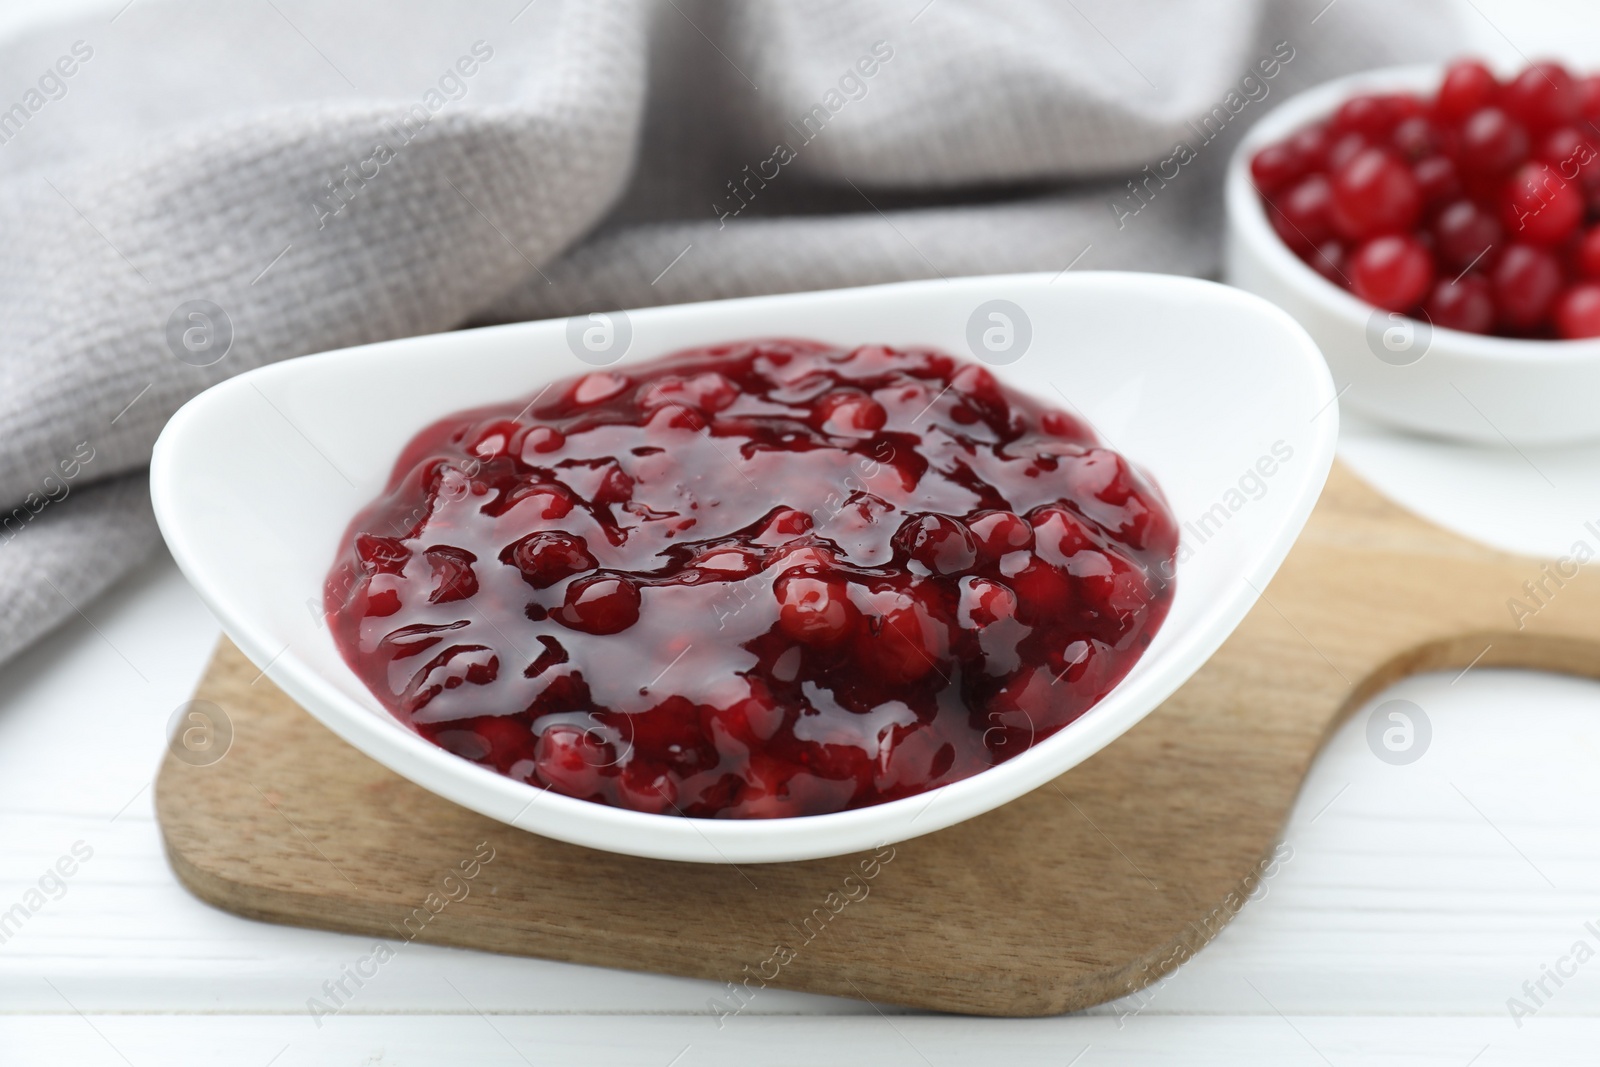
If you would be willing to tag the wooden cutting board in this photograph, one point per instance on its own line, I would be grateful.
(1081, 892)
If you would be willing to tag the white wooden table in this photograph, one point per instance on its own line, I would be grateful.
(1419, 899)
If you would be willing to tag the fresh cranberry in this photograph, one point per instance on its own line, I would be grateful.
(1526, 280)
(1343, 148)
(1415, 138)
(1303, 215)
(1374, 117)
(1311, 145)
(1571, 154)
(1393, 271)
(1467, 304)
(1331, 260)
(1539, 206)
(1492, 142)
(1467, 87)
(1374, 193)
(1589, 97)
(1543, 96)
(751, 581)
(1586, 257)
(1275, 167)
(1463, 235)
(1437, 179)
(1487, 168)
(1578, 311)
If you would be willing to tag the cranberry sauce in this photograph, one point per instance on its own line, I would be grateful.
(761, 579)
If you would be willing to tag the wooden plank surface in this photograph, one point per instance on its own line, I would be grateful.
(1080, 892)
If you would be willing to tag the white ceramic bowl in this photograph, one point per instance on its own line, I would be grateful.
(1432, 380)
(1207, 387)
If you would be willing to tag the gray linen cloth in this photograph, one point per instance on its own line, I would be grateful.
(332, 174)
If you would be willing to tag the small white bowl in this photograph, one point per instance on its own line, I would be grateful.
(1432, 380)
(1216, 393)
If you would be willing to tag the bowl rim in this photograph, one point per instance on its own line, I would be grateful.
(1248, 222)
(801, 837)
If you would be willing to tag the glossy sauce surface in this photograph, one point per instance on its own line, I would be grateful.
(762, 579)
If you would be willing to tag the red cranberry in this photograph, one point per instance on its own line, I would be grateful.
(938, 542)
(984, 602)
(1061, 534)
(1303, 215)
(600, 604)
(1492, 142)
(1578, 311)
(1393, 271)
(1311, 145)
(1539, 207)
(1463, 234)
(1586, 257)
(1466, 305)
(1371, 116)
(452, 574)
(851, 413)
(1453, 181)
(1276, 166)
(904, 644)
(568, 760)
(1330, 260)
(1343, 148)
(1437, 179)
(647, 789)
(1415, 137)
(1374, 193)
(814, 609)
(1468, 86)
(1571, 154)
(1543, 96)
(999, 533)
(547, 558)
(1526, 280)
(1589, 97)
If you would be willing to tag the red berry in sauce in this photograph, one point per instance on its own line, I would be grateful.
(760, 579)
